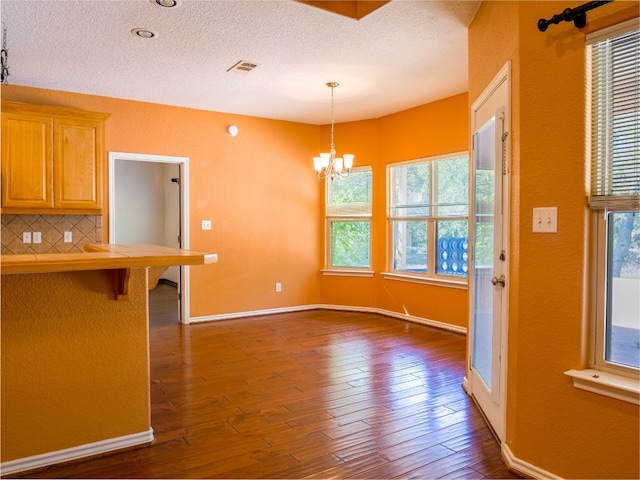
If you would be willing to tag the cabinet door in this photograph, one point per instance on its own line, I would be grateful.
(27, 161)
(78, 164)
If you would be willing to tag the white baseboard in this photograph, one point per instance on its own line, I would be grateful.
(252, 313)
(465, 385)
(523, 467)
(388, 313)
(74, 453)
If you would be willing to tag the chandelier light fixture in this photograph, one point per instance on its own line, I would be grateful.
(327, 165)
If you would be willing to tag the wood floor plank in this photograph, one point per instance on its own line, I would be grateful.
(313, 394)
(468, 439)
(444, 466)
(262, 467)
(304, 469)
(401, 467)
(462, 474)
(351, 469)
(421, 442)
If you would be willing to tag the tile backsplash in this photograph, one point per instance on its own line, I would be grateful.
(84, 229)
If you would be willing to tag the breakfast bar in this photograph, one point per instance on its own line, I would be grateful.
(75, 351)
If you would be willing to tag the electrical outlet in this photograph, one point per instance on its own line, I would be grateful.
(37, 237)
(68, 237)
(206, 224)
(278, 287)
(26, 237)
(545, 220)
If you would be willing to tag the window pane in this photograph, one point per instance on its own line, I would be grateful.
(410, 190)
(350, 244)
(410, 246)
(452, 251)
(623, 298)
(452, 192)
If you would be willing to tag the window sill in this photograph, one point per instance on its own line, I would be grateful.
(348, 273)
(426, 280)
(603, 383)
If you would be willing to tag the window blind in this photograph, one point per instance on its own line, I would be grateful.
(410, 190)
(614, 56)
(430, 188)
(350, 197)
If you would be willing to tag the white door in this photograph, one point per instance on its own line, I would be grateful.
(489, 279)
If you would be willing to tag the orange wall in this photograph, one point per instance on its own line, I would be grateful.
(75, 362)
(434, 129)
(266, 206)
(550, 424)
(258, 189)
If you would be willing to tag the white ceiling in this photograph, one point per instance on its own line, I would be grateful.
(406, 53)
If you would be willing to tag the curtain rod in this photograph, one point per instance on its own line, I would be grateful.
(576, 15)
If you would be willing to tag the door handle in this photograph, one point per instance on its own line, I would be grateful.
(496, 280)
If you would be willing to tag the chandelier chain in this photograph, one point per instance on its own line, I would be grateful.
(333, 147)
(328, 166)
(4, 67)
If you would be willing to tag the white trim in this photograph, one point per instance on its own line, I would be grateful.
(347, 273)
(74, 453)
(440, 282)
(525, 468)
(462, 153)
(465, 385)
(346, 308)
(251, 313)
(612, 31)
(183, 163)
(608, 384)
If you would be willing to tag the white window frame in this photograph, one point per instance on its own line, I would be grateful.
(360, 216)
(602, 376)
(430, 276)
(600, 242)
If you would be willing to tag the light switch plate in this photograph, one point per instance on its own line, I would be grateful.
(37, 237)
(68, 237)
(206, 224)
(545, 220)
(26, 237)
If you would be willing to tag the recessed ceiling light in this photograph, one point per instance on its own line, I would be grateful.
(166, 3)
(142, 33)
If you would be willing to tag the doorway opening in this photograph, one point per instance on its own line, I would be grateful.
(148, 204)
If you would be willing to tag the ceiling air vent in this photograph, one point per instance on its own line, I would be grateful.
(242, 67)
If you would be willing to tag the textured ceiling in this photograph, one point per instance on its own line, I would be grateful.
(405, 53)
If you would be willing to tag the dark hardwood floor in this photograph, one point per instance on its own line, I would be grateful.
(318, 394)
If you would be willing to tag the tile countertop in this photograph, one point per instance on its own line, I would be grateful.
(104, 257)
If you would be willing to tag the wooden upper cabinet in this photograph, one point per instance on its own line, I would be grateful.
(78, 172)
(52, 159)
(27, 167)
